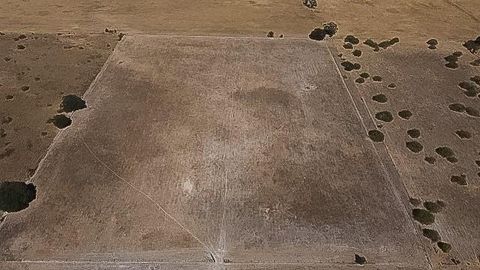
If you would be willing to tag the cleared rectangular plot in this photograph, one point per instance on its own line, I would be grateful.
(215, 149)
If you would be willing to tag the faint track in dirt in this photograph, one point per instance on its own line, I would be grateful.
(148, 197)
(462, 10)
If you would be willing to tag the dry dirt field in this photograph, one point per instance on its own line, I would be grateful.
(412, 20)
(197, 142)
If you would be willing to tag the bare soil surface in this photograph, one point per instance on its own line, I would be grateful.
(223, 157)
(444, 19)
(238, 151)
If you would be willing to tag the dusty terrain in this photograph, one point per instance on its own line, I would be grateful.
(192, 157)
(444, 19)
(416, 79)
(241, 153)
(33, 81)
